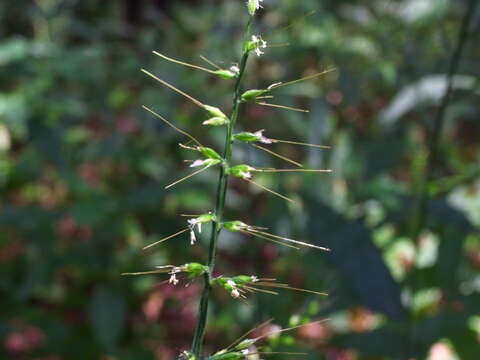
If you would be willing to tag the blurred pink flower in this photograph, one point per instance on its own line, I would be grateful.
(24, 341)
(440, 351)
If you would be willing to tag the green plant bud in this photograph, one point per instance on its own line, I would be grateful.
(234, 225)
(221, 352)
(196, 269)
(252, 94)
(245, 344)
(205, 218)
(241, 171)
(226, 74)
(242, 279)
(251, 45)
(219, 281)
(215, 111)
(211, 162)
(227, 356)
(216, 121)
(209, 153)
(247, 137)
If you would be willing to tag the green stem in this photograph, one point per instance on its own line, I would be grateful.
(439, 121)
(220, 203)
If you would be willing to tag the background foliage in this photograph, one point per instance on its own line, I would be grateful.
(82, 172)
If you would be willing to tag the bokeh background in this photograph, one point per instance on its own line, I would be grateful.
(83, 170)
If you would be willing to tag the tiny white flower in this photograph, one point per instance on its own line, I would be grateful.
(235, 293)
(263, 139)
(254, 278)
(245, 352)
(197, 163)
(235, 69)
(173, 279)
(245, 175)
(259, 43)
(193, 238)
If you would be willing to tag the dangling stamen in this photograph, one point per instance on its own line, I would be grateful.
(283, 107)
(186, 177)
(269, 190)
(165, 239)
(191, 98)
(183, 63)
(171, 125)
(277, 155)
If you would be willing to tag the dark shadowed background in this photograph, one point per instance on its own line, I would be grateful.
(83, 170)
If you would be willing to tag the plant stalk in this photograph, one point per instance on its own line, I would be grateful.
(220, 202)
(439, 122)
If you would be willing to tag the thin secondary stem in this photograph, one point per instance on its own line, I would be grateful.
(439, 121)
(220, 203)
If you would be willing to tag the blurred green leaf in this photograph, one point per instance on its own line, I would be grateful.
(108, 313)
(356, 258)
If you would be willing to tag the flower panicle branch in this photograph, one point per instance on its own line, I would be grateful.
(239, 226)
(240, 286)
(192, 270)
(244, 346)
(195, 221)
